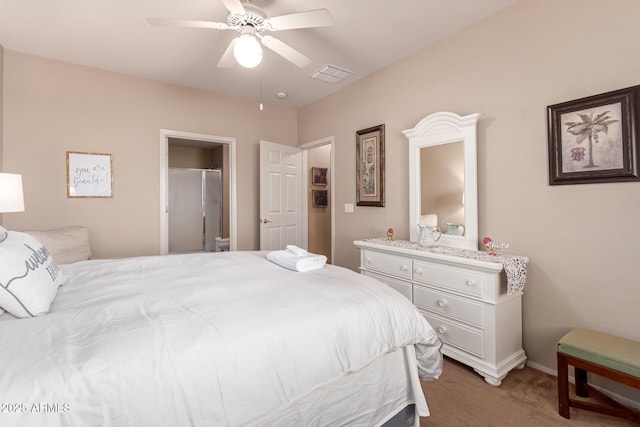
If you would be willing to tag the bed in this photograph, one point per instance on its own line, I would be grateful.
(215, 339)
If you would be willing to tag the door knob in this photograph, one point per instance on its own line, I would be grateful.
(265, 221)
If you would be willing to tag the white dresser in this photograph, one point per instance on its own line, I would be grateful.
(464, 299)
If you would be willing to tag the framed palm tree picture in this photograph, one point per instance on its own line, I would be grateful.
(370, 166)
(595, 139)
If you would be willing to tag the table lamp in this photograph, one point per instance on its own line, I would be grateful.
(11, 196)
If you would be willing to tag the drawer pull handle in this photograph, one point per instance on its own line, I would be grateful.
(442, 330)
(471, 283)
(418, 271)
(442, 303)
(403, 268)
(367, 260)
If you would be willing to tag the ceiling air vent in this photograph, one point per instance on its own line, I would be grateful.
(331, 74)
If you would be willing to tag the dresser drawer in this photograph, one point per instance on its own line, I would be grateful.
(404, 288)
(456, 336)
(457, 279)
(448, 305)
(385, 263)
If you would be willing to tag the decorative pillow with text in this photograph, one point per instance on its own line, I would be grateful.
(29, 277)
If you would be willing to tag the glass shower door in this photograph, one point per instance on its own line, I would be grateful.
(185, 210)
(195, 209)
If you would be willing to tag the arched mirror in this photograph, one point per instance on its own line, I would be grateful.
(442, 178)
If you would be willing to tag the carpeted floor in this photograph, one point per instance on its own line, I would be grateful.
(528, 397)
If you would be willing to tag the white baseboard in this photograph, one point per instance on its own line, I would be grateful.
(624, 400)
(544, 369)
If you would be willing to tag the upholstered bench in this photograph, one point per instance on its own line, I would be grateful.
(608, 356)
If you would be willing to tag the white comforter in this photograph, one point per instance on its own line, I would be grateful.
(225, 339)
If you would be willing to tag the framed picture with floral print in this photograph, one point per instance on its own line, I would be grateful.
(370, 166)
(594, 139)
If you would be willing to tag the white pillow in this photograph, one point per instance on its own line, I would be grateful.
(66, 245)
(3, 233)
(29, 277)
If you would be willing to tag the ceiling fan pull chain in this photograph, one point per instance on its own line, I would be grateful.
(261, 106)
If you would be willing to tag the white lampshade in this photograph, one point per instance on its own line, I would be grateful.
(11, 198)
(430, 220)
(247, 51)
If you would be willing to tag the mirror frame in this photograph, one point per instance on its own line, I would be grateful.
(443, 128)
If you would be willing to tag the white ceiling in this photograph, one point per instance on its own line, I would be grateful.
(114, 35)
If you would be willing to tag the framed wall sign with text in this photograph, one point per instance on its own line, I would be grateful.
(89, 174)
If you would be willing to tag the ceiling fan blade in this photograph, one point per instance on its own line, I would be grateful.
(234, 6)
(228, 60)
(162, 22)
(286, 51)
(308, 19)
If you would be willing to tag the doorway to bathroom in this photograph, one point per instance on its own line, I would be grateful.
(197, 193)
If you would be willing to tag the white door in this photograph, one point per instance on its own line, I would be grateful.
(280, 196)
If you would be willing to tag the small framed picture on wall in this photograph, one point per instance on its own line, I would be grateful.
(319, 176)
(319, 198)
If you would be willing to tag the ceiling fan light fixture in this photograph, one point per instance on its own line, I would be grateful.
(247, 50)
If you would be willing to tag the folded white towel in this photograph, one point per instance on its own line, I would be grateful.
(297, 251)
(303, 263)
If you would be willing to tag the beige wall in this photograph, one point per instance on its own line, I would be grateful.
(52, 107)
(1, 112)
(1, 103)
(319, 218)
(582, 239)
(190, 157)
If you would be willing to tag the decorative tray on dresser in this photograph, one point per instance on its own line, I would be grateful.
(472, 299)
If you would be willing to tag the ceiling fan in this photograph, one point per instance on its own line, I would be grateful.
(252, 22)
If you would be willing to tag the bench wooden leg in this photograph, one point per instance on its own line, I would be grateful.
(610, 407)
(581, 382)
(563, 385)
